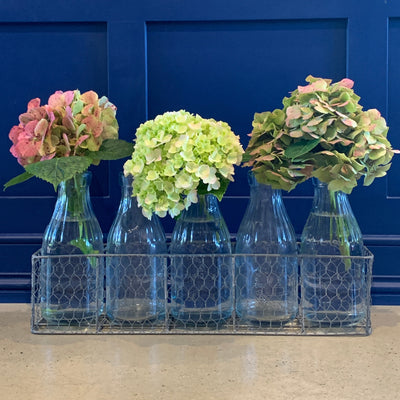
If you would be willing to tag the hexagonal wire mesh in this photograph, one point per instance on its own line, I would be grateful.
(207, 294)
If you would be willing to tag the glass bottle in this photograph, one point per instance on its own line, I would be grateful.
(334, 286)
(72, 286)
(267, 284)
(134, 278)
(201, 281)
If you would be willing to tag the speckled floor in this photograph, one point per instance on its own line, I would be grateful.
(198, 367)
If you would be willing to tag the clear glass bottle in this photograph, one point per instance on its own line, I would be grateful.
(266, 285)
(72, 287)
(201, 281)
(334, 289)
(135, 289)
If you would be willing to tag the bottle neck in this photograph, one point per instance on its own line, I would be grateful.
(129, 210)
(331, 227)
(201, 229)
(206, 208)
(265, 227)
(264, 200)
(73, 195)
(328, 202)
(131, 231)
(264, 193)
(126, 183)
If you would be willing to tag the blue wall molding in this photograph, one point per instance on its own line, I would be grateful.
(15, 287)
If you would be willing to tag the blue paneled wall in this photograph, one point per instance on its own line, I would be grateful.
(221, 59)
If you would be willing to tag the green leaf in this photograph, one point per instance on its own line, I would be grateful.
(57, 170)
(301, 147)
(219, 193)
(86, 248)
(18, 179)
(112, 149)
(246, 157)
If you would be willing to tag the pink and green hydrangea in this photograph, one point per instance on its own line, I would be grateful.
(68, 125)
(60, 139)
(322, 132)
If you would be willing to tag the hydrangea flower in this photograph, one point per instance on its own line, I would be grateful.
(60, 139)
(68, 125)
(178, 155)
(323, 132)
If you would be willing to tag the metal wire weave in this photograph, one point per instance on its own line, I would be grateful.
(59, 314)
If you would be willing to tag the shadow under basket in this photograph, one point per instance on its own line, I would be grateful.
(202, 294)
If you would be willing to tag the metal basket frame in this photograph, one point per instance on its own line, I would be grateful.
(166, 324)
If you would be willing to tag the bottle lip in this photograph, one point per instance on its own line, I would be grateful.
(207, 195)
(251, 179)
(253, 183)
(317, 183)
(323, 185)
(80, 179)
(125, 179)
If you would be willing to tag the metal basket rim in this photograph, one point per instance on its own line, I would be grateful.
(368, 255)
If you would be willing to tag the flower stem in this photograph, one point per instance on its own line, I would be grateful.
(76, 206)
(341, 230)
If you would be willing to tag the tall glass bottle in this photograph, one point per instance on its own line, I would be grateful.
(201, 281)
(334, 286)
(135, 278)
(267, 284)
(72, 286)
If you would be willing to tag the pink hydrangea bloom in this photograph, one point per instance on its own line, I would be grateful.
(61, 99)
(90, 97)
(346, 83)
(27, 142)
(70, 124)
(319, 85)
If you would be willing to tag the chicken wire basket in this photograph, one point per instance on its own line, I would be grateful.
(201, 294)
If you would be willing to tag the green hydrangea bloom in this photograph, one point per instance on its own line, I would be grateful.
(178, 155)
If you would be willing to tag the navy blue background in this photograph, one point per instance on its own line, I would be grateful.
(221, 59)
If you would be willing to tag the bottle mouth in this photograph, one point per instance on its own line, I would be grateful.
(79, 180)
(255, 185)
(125, 179)
(251, 179)
(317, 183)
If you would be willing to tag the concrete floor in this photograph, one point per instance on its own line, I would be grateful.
(198, 367)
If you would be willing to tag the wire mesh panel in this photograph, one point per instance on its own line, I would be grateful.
(262, 294)
(67, 293)
(267, 293)
(136, 293)
(202, 292)
(335, 294)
